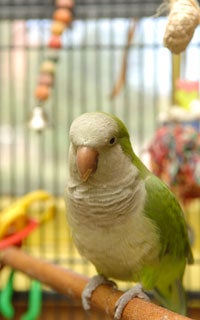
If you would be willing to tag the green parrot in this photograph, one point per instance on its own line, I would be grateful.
(123, 218)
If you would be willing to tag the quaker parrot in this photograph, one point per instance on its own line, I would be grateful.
(123, 218)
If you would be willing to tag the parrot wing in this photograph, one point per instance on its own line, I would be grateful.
(163, 208)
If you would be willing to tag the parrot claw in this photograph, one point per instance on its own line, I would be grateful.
(94, 282)
(136, 291)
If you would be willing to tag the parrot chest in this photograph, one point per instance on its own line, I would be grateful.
(119, 251)
(111, 230)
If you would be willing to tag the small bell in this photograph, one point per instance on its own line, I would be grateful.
(38, 120)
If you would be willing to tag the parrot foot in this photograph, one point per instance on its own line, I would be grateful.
(136, 291)
(94, 282)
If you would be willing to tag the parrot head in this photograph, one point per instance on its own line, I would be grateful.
(98, 138)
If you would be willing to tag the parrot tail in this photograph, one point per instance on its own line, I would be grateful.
(173, 297)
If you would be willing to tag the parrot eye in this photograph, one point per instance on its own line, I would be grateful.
(112, 141)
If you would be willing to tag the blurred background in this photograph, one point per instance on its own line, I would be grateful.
(96, 53)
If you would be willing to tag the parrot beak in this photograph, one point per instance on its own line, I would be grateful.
(87, 159)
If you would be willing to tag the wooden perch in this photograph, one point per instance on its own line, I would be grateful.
(72, 284)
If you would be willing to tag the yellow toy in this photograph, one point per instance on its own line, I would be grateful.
(15, 218)
(15, 225)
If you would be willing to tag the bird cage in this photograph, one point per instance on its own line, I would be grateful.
(111, 58)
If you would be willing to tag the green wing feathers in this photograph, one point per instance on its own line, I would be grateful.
(172, 297)
(163, 208)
